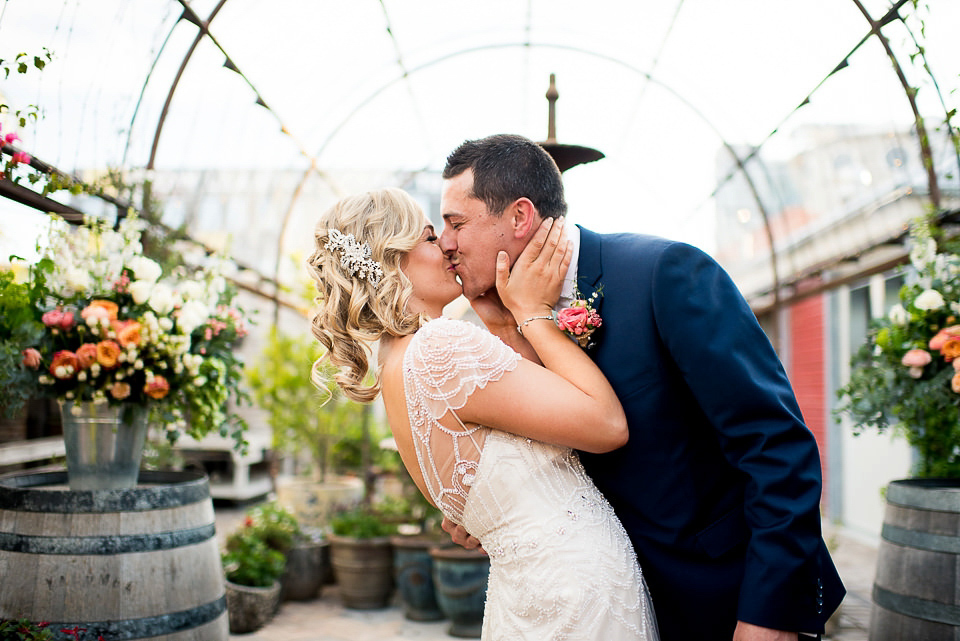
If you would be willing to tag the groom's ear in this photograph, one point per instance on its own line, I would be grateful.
(525, 218)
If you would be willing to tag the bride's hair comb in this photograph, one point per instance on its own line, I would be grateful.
(355, 256)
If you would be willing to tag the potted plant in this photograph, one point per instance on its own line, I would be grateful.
(252, 570)
(307, 425)
(362, 557)
(119, 340)
(907, 377)
(303, 550)
(418, 531)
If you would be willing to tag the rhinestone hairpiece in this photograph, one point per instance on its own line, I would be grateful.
(355, 257)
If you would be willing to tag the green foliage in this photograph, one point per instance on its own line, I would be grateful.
(248, 560)
(921, 402)
(24, 630)
(275, 525)
(19, 326)
(363, 522)
(303, 417)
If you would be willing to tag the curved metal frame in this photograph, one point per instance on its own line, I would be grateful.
(405, 72)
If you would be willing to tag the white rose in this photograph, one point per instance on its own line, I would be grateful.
(192, 315)
(929, 300)
(141, 290)
(161, 298)
(898, 315)
(145, 268)
(191, 290)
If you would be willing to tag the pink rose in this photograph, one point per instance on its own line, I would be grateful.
(32, 359)
(21, 157)
(53, 318)
(573, 319)
(916, 358)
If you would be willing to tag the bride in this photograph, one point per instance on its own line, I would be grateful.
(486, 435)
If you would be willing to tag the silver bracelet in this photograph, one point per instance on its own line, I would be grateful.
(532, 318)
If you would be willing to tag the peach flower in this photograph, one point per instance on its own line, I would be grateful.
(120, 390)
(916, 360)
(32, 358)
(100, 309)
(128, 332)
(107, 354)
(936, 343)
(955, 383)
(86, 355)
(157, 388)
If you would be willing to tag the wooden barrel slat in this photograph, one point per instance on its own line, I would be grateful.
(916, 590)
(142, 563)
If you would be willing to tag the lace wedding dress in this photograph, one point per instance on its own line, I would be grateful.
(561, 564)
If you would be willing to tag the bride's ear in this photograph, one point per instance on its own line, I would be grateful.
(525, 219)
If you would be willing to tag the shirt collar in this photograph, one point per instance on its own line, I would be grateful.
(570, 280)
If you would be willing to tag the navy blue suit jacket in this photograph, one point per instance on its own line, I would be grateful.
(719, 486)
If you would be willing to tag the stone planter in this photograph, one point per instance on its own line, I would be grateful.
(413, 572)
(250, 608)
(460, 577)
(313, 503)
(364, 571)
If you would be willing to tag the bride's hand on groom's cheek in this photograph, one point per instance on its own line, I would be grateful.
(460, 536)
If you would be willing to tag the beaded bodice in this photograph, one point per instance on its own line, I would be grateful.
(561, 564)
(444, 363)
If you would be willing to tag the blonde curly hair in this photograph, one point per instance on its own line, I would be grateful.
(353, 313)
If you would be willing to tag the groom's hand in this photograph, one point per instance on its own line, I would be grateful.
(749, 632)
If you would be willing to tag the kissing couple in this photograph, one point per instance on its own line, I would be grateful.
(621, 438)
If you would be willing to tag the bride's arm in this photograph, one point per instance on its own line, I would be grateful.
(568, 401)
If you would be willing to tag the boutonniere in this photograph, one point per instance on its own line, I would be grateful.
(580, 319)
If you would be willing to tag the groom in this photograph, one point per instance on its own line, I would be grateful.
(719, 486)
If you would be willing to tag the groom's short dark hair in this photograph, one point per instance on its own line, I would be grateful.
(507, 167)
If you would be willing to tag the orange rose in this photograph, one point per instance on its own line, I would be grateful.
(64, 364)
(120, 391)
(951, 348)
(157, 388)
(86, 355)
(101, 308)
(107, 354)
(128, 332)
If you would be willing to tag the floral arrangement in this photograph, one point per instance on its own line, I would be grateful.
(114, 329)
(907, 374)
(580, 319)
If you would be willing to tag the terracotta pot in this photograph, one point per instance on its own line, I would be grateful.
(364, 571)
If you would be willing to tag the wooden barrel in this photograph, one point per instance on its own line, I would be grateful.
(916, 592)
(140, 563)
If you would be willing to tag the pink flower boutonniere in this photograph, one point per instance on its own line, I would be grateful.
(580, 319)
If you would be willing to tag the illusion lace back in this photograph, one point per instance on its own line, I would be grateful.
(561, 564)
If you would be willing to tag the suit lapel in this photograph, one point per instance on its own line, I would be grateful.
(589, 268)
